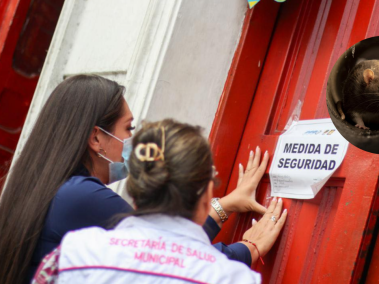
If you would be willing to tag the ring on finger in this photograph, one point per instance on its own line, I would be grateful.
(273, 218)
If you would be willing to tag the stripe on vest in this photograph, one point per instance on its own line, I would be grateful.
(133, 271)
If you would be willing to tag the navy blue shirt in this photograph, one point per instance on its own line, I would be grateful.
(84, 201)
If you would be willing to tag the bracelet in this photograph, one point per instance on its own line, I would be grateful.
(244, 240)
(220, 211)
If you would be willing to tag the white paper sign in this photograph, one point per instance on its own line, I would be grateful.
(306, 156)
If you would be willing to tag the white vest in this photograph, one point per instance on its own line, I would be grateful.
(150, 249)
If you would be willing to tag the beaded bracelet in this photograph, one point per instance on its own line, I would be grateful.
(244, 240)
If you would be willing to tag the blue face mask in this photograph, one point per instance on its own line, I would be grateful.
(119, 170)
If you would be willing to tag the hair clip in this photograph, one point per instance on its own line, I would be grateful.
(152, 151)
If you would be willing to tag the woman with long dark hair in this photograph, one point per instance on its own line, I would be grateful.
(63, 144)
(77, 146)
(171, 183)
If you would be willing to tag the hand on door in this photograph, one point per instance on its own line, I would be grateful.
(262, 235)
(242, 199)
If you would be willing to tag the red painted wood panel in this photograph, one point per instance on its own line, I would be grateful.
(240, 86)
(26, 29)
(12, 16)
(331, 238)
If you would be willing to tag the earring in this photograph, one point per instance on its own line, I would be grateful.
(99, 153)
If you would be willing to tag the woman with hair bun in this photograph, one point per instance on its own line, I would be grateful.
(162, 241)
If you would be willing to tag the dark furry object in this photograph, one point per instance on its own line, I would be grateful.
(361, 95)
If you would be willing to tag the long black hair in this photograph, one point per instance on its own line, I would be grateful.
(57, 145)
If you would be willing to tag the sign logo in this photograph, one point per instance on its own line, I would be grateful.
(255, 2)
(317, 132)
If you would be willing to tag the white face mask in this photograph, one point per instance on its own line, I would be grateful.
(118, 170)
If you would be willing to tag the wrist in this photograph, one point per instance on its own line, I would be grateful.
(218, 208)
(254, 251)
(227, 205)
(215, 217)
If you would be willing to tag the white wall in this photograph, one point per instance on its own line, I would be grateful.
(197, 61)
(105, 37)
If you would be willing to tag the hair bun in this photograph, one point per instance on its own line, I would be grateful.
(153, 177)
(170, 163)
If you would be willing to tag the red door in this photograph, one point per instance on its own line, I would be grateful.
(285, 55)
(26, 29)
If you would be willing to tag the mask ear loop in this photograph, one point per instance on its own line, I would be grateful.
(201, 190)
(102, 156)
(110, 134)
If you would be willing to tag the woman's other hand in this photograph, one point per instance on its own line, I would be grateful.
(265, 232)
(243, 198)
